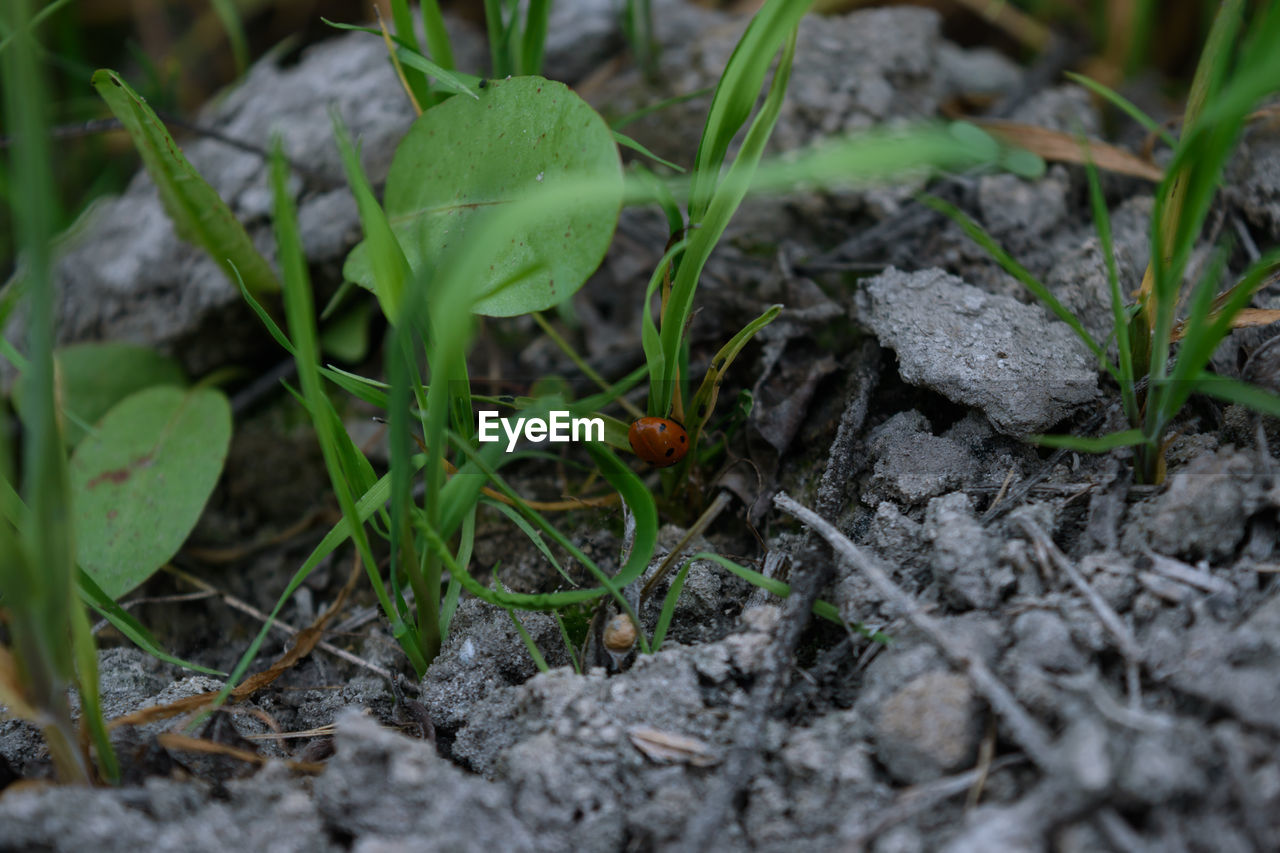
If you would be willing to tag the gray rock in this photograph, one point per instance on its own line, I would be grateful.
(271, 811)
(1234, 668)
(929, 727)
(1025, 370)
(964, 559)
(978, 71)
(562, 741)
(1165, 765)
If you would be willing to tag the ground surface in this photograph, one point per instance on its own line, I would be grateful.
(1076, 662)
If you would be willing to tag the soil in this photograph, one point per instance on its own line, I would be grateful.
(1073, 662)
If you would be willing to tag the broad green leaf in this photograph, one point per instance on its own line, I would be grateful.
(464, 157)
(140, 483)
(199, 214)
(94, 377)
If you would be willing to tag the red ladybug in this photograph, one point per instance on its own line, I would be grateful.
(658, 441)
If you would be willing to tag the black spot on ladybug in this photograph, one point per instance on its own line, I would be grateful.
(662, 427)
(670, 451)
(682, 441)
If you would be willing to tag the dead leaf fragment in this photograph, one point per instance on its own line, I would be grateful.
(1065, 148)
(667, 748)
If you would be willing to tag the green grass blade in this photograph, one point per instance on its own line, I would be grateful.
(498, 50)
(86, 656)
(1087, 444)
(229, 15)
(390, 268)
(449, 606)
(1242, 393)
(1125, 105)
(736, 93)
(1206, 328)
(704, 401)
(721, 206)
(622, 121)
(125, 622)
(462, 84)
(36, 576)
(538, 542)
(534, 38)
(199, 214)
(300, 311)
(437, 35)
(402, 19)
(669, 606)
(627, 142)
(1120, 322)
(823, 609)
(651, 340)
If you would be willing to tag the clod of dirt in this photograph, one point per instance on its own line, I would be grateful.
(965, 557)
(562, 742)
(386, 789)
(1025, 370)
(1234, 668)
(1205, 510)
(484, 653)
(1044, 639)
(912, 464)
(1253, 178)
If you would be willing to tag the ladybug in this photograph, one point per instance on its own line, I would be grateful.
(658, 441)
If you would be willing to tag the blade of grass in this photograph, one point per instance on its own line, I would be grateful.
(437, 35)
(299, 310)
(823, 609)
(402, 18)
(199, 214)
(722, 203)
(1126, 106)
(1087, 444)
(736, 93)
(36, 577)
(534, 37)
(669, 606)
(1102, 222)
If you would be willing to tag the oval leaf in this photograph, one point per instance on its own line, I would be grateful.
(465, 156)
(93, 377)
(140, 483)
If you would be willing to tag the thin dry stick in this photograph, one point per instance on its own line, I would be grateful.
(923, 797)
(1026, 731)
(709, 515)
(245, 607)
(1108, 617)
